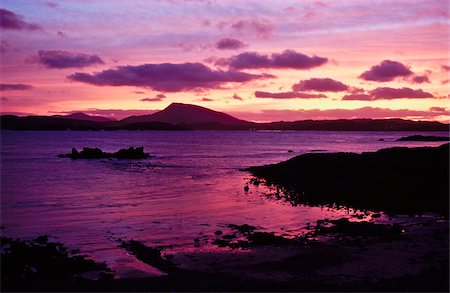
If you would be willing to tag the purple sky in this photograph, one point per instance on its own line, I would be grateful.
(259, 60)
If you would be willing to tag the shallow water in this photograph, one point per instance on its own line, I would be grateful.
(189, 188)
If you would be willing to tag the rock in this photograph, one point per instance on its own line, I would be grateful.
(265, 238)
(38, 260)
(393, 180)
(148, 255)
(96, 153)
(244, 229)
(345, 227)
(221, 242)
(131, 153)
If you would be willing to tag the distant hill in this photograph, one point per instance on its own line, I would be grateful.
(179, 116)
(12, 122)
(46, 123)
(357, 125)
(178, 113)
(83, 116)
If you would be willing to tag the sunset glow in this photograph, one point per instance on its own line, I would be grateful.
(256, 60)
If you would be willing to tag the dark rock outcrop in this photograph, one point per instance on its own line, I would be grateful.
(27, 262)
(397, 180)
(363, 228)
(148, 255)
(96, 153)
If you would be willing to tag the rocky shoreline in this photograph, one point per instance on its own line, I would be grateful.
(407, 254)
(395, 180)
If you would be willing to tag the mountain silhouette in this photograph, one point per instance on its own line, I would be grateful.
(84, 117)
(178, 116)
(178, 113)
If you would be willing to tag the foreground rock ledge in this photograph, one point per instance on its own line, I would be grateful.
(96, 153)
(396, 180)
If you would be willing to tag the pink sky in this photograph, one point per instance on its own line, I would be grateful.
(257, 60)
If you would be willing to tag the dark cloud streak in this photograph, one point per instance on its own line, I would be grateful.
(320, 85)
(10, 20)
(167, 77)
(64, 59)
(288, 95)
(387, 93)
(286, 59)
(387, 70)
(229, 44)
(158, 98)
(15, 87)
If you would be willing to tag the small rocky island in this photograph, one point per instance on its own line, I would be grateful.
(96, 153)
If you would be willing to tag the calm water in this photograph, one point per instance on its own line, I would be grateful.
(190, 187)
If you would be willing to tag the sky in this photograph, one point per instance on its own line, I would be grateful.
(256, 60)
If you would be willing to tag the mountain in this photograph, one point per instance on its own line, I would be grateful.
(85, 117)
(179, 116)
(357, 125)
(178, 113)
(12, 122)
(46, 123)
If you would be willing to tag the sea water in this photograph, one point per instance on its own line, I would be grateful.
(191, 186)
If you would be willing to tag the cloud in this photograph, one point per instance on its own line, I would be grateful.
(139, 92)
(64, 59)
(393, 93)
(357, 97)
(4, 99)
(355, 90)
(51, 4)
(167, 77)
(286, 59)
(15, 87)
(4, 46)
(438, 109)
(193, 47)
(237, 97)
(318, 114)
(229, 44)
(12, 21)
(158, 98)
(206, 100)
(387, 93)
(420, 79)
(321, 4)
(320, 85)
(288, 95)
(387, 70)
(17, 113)
(61, 34)
(262, 28)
